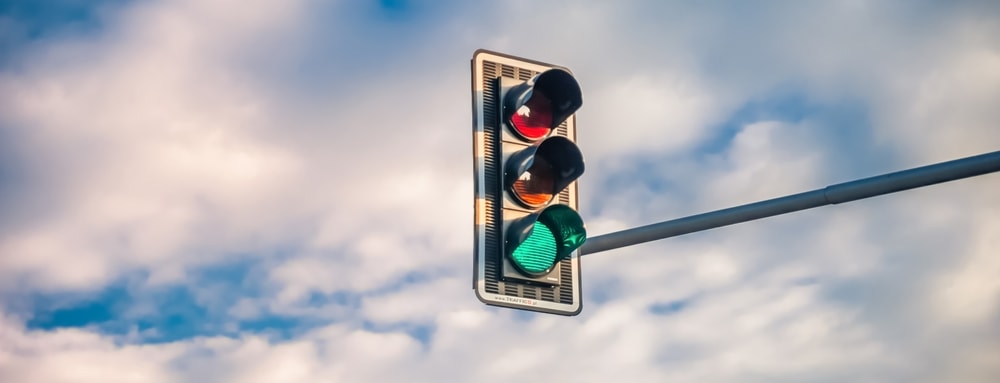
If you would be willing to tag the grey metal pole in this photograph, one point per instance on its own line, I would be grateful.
(834, 194)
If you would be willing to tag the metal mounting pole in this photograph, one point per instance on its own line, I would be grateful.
(839, 193)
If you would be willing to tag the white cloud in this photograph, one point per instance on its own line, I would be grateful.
(76, 355)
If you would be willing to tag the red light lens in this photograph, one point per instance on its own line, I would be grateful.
(533, 120)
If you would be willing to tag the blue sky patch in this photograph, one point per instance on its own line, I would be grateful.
(60, 310)
(24, 21)
(669, 308)
(42, 17)
(167, 313)
(421, 332)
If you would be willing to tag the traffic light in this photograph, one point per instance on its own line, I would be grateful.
(527, 229)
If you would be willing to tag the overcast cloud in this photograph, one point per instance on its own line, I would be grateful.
(279, 191)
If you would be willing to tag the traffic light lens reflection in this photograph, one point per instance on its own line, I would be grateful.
(537, 254)
(533, 120)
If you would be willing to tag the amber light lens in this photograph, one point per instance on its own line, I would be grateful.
(533, 119)
(536, 186)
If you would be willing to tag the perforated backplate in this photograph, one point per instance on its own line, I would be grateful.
(491, 143)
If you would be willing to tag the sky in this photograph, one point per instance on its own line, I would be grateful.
(282, 191)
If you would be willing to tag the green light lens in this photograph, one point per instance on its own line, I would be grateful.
(537, 242)
(537, 254)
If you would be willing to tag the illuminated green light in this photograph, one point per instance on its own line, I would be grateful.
(537, 254)
(540, 241)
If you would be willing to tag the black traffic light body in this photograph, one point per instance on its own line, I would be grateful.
(527, 229)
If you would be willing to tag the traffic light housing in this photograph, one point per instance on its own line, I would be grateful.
(527, 229)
